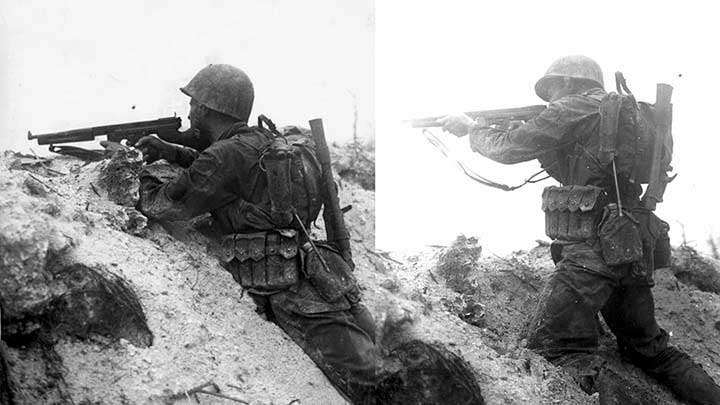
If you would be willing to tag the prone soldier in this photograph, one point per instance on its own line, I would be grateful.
(607, 242)
(263, 190)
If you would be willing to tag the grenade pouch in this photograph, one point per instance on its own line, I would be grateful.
(263, 261)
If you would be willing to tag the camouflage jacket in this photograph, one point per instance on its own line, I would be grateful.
(563, 138)
(225, 180)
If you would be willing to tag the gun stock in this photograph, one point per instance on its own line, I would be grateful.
(493, 117)
(335, 229)
(663, 123)
(165, 128)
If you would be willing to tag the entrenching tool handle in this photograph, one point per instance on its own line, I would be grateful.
(335, 229)
(663, 122)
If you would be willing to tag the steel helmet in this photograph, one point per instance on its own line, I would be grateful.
(574, 66)
(223, 88)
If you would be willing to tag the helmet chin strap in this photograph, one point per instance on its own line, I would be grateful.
(203, 120)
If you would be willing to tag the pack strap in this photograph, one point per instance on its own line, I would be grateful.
(621, 84)
(266, 123)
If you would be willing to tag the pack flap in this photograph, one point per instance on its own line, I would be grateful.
(571, 198)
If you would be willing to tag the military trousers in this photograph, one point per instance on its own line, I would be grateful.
(339, 337)
(566, 323)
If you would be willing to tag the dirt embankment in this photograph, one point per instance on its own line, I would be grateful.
(67, 246)
(492, 298)
(195, 325)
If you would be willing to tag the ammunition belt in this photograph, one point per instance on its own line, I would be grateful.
(262, 261)
(572, 212)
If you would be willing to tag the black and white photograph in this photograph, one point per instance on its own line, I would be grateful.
(358, 202)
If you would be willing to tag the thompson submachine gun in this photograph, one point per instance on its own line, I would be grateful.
(493, 117)
(165, 128)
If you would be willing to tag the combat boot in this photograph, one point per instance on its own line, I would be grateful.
(684, 377)
(693, 385)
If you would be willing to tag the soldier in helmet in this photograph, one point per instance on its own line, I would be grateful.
(566, 139)
(228, 180)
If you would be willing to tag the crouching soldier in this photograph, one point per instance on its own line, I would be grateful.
(263, 190)
(606, 241)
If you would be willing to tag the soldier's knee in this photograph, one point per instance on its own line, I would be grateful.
(364, 319)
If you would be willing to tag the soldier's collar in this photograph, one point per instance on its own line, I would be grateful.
(233, 130)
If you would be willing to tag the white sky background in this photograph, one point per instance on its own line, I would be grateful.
(73, 64)
(441, 57)
(70, 64)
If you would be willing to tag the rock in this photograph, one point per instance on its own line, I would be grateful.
(97, 302)
(694, 269)
(27, 246)
(355, 162)
(390, 284)
(127, 219)
(43, 290)
(119, 177)
(35, 187)
(35, 375)
(458, 261)
(467, 308)
(136, 222)
(430, 365)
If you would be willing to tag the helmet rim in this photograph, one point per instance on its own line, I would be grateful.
(224, 89)
(577, 67)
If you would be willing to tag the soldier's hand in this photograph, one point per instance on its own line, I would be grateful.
(154, 148)
(460, 124)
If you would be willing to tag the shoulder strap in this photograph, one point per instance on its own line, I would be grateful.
(609, 119)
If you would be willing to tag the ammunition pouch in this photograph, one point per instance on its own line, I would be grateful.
(572, 212)
(620, 238)
(263, 261)
(331, 276)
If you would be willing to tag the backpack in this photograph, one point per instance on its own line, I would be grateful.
(627, 134)
(294, 175)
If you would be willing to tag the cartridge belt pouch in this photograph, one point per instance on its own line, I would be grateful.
(263, 261)
(572, 212)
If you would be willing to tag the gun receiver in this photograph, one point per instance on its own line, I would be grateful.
(493, 117)
(165, 128)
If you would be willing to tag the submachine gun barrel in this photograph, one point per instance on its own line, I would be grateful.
(165, 128)
(493, 117)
